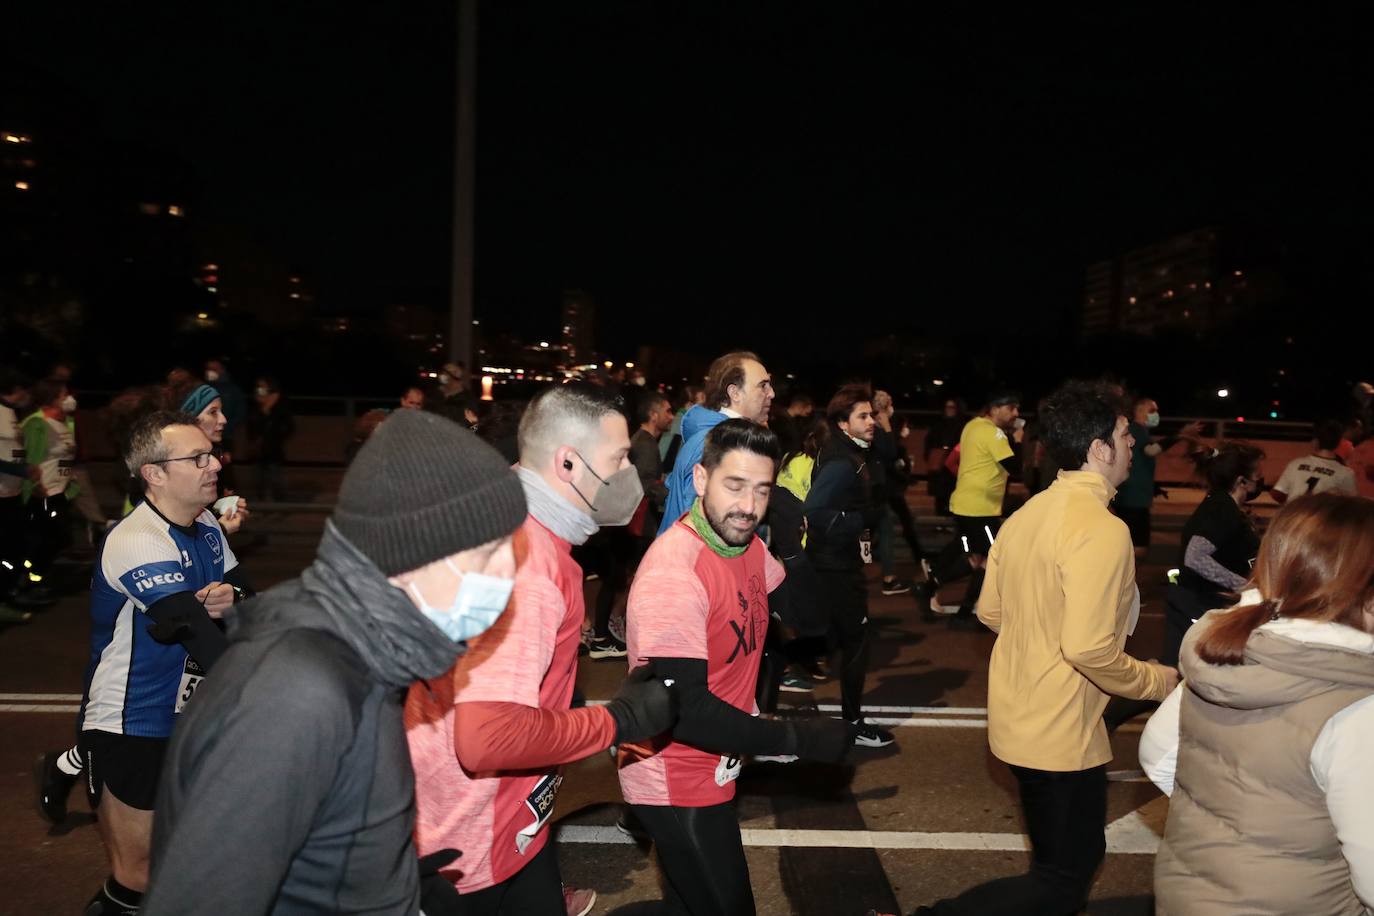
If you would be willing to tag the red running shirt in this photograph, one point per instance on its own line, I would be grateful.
(687, 601)
(498, 820)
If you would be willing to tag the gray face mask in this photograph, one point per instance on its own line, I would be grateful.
(616, 499)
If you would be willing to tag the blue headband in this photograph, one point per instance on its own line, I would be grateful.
(199, 399)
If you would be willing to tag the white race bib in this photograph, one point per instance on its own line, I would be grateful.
(191, 676)
(540, 802)
(727, 770)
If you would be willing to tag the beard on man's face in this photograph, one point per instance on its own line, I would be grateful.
(730, 526)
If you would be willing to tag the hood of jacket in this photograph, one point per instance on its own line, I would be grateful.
(1286, 660)
(343, 593)
(699, 419)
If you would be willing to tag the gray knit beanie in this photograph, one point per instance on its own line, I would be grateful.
(422, 488)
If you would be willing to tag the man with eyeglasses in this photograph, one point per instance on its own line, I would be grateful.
(164, 575)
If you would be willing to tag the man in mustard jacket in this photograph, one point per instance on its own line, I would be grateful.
(1061, 595)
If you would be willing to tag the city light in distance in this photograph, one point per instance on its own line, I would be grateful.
(21, 185)
(174, 210)
(629, 365)
(202, 315)
(16, 138)
(1223, 392)
(608, 364)
(937, 382)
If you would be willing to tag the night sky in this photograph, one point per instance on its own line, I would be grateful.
(719, 174)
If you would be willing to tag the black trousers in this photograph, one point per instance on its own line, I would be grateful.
(47, 532)
(536, 890)
(846, 595)
(11, 544)
(897, 501)
(702, 857)
(1066, 816)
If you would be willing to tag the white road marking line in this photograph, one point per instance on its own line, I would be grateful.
(1130, 835)
(932, 710)
(40, 697)
(15, 707)
(926, 723)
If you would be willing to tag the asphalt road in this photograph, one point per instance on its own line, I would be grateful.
(925, 818)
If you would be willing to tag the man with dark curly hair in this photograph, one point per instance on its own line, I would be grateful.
(1060, 593)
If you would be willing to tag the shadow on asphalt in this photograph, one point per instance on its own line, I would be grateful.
(73, 821)
(1143, 905)
(922, 687)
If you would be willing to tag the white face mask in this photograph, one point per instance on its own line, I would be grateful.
(211, 375)
(444, 378)
(262, 392)
(69, 404)
(480, 600)
(1152, 420)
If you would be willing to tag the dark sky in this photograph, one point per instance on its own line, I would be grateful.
(718, 173)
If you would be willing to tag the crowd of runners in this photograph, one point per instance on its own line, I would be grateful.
(385, 733)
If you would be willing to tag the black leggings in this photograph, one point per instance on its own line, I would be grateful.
(536, 890)
(846, 593)
(702, 857)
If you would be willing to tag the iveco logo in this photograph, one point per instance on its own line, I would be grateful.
(160, 579)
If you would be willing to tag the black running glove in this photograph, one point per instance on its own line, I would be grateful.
(823, 739)
(438, 896)
(643, 707)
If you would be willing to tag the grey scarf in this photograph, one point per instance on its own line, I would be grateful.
(553, 511)
(375, 618)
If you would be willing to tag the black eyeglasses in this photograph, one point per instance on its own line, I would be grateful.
(202, 459)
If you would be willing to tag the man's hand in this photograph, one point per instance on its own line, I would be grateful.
(217, 597)
(1168, 674)
(1192, 431)
(824, 739)
(644, 706)
(1018, 435)
(231, 522)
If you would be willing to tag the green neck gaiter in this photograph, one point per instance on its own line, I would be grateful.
(708, 534)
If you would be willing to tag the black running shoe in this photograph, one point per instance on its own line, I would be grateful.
(53, 787)
(606, 647)
(867, 735)
(896, 586)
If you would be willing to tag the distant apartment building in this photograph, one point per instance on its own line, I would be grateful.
(1193, 282)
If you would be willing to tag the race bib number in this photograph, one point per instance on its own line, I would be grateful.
(191, 676)
(65, 468)
(866, 548)
(727, 771)
(540, 802)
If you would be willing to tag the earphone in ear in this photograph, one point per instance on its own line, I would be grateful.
(567, 465)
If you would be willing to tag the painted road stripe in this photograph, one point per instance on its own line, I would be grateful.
(40, 697)
(930, 720)
(931, 710)
(1129, 835)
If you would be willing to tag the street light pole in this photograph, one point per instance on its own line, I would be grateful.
(464, 184)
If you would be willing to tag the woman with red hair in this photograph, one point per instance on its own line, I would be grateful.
(1266, 748)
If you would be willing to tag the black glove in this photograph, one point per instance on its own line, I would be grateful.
(643, 707)
(438, 896)
(825, 739)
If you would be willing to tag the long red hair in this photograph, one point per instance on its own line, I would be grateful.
(1316, 562)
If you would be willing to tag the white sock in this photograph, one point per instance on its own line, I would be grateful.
(71, 762)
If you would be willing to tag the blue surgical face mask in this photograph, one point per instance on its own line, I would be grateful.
(1152, 420)
(480, 600)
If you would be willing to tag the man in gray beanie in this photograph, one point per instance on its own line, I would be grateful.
(488, 738)
(288, 787)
